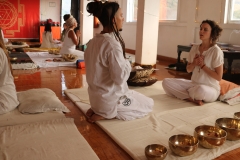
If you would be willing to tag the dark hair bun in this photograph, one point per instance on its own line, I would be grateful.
(95, 8)
(66, 16)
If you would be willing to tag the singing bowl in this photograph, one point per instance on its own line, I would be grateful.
(231, 126)
(155, 152)
(210, 136)
(183, 145)
(237, 115)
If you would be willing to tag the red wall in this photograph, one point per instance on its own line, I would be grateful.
(20, 18)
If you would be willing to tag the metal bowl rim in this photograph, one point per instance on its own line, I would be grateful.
(227, 127)
(158, 145)
(211, 137)
(184, 135)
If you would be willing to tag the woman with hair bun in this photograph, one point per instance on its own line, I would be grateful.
(107, 70)
(205, 61)
(71, 38)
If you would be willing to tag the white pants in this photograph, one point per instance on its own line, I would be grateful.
(183, 89)
(134, 105)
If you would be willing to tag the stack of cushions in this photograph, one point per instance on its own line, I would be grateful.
(141, 77)
(229, 93)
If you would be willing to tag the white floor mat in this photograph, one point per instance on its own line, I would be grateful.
(49, 140)
(39, 58)
(170, 116)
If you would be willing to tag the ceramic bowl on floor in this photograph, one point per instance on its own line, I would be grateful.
(155, 152)
(231, 126)
(210, 136)
(183, 145)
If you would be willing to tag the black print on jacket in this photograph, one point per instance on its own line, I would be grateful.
(127, 102)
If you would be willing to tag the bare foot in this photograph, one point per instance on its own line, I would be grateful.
(199, 102)
(94, 118)
(89, 113)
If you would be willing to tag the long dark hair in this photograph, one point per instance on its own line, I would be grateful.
(216, 30)
(105, 12)
(48, 27)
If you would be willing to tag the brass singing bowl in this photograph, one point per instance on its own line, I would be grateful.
(183, 145)
(13, 59)
(231, 126)
(237, 115)
(210, 136)
(155, 152)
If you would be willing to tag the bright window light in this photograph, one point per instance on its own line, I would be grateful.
(235, 10)
(168, 10)
(132, 10)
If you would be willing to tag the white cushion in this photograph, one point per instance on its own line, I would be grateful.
(39, 100)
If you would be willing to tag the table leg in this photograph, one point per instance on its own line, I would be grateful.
(179, 55)
(230, 60)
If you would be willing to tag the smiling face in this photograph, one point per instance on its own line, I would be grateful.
(205, 32)
(118, 20)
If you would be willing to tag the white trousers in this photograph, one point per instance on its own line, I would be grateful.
(134, 105)
(183, 89)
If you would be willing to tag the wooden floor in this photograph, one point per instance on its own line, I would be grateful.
(60, 78)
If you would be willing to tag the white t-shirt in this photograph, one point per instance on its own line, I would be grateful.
(8, 95)
(5, 40)
(68, 47)
(107, 72)
(213, 58)
(47, 40)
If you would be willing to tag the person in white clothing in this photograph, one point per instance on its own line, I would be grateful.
(205, 61)
(107, 70)
(47, 38)
(71, 39)
(8, 94)
(5, 40)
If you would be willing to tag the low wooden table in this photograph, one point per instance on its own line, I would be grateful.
(229, 55)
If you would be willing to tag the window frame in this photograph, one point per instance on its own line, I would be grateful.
(160, 21)
(127, 20)
(229, 10)
(177, 18)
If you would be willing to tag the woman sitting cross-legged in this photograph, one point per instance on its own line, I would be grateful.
(107, 70)
(71, 39)
(47, 38)
(205, 61)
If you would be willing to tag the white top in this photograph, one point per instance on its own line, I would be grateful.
(107, 72)
(47, 40)
(213, 58)
(8, 95)
(5, 40)
(68, 47)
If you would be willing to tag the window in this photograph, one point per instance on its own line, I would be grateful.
(234, 11)
(132, 10)
(65, 9)
(168, 10)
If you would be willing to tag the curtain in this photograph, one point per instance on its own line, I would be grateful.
(20, 18)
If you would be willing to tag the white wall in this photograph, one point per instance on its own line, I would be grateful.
(185, 30)
(50, 9)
